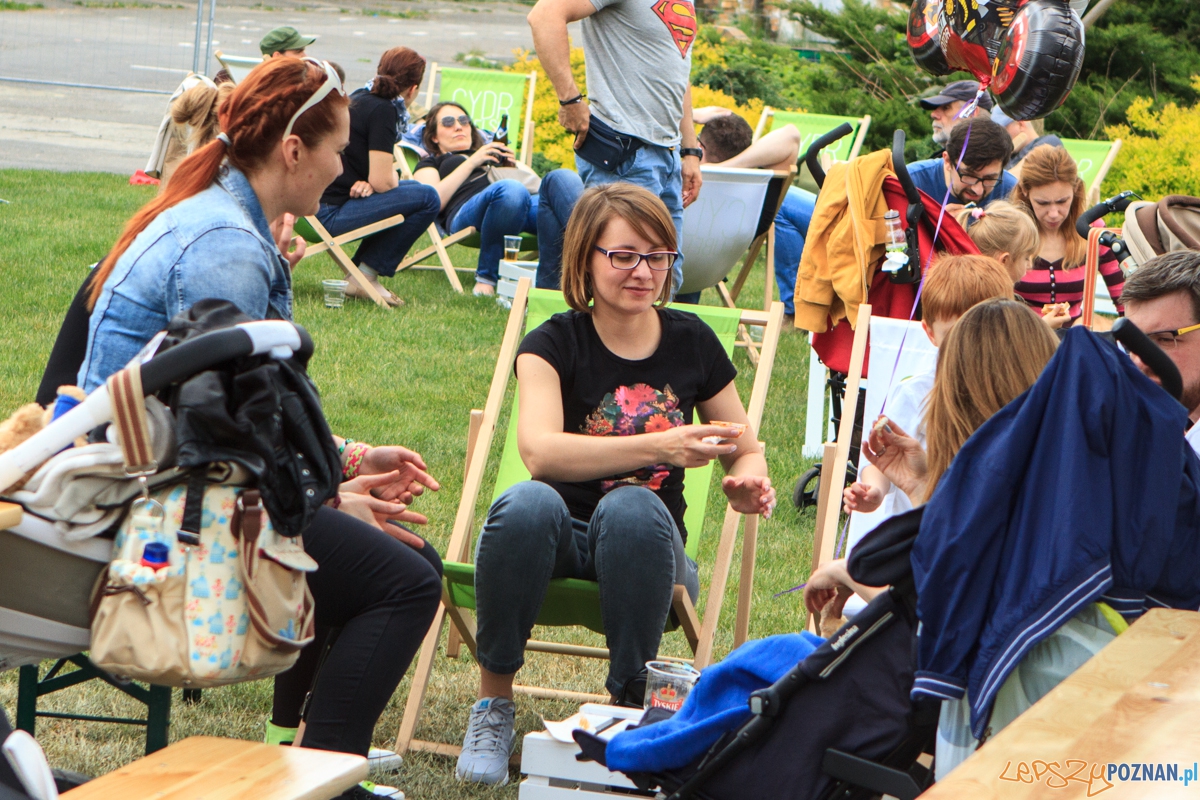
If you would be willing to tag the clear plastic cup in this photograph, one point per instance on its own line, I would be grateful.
(512, 248)
(668, 683)
(335, 292)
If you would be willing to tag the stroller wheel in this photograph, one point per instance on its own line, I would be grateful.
(807, 488)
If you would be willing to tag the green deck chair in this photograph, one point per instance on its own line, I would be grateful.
(1093, 159)
(406, 161)
(573, 602)
(811, 127)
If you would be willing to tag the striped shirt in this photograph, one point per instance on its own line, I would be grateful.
(1047, 282)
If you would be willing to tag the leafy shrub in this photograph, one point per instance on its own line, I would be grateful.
(1159, 155)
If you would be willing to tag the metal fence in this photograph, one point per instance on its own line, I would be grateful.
(127, 45)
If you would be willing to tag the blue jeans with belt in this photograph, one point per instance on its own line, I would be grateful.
(504, 208)
(384, 251)
(654, 168)
(631, 546)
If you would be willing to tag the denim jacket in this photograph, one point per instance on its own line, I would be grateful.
(216, 244)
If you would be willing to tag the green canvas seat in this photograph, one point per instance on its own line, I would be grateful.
(573, 602)
(1093, 158)
(812, 127)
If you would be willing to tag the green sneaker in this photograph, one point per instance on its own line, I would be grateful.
(277, 734)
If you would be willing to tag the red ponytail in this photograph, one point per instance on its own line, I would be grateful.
(254, 117)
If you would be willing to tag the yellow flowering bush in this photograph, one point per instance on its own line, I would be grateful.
(556, 144)
(1159, 155)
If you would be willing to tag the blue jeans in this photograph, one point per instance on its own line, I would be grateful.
(384, 251)
(631, 546)
(791, 228)
(652, 167)
(504, 208)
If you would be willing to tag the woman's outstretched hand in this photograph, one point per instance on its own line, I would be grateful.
(898, 456)
(410, 476)
(283, 229)
(684, 446)
(750, 494)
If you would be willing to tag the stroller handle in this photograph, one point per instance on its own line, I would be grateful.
(1151, 355)
(901, 168)
(280, 339)
(1113, 205)
(812, 155)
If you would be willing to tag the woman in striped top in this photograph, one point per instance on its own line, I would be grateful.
(1050, 190)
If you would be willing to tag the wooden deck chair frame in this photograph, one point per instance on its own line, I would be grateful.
(862, 125)
(333, 245)
(699, 632)
(829, 504)
(766, 235)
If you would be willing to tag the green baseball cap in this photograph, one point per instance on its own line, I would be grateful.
(285, 38)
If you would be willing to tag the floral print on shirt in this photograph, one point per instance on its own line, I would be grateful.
(630, 410)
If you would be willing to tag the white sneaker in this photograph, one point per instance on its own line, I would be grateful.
(381, 759)
(488, 743)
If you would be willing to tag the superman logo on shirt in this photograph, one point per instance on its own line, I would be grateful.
(680, 18)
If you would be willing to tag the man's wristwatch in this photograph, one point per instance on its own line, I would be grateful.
(691, 151)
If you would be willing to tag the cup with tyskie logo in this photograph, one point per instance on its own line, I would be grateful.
(668, 684)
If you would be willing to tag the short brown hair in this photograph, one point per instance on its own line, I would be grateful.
(726, 136)
(956, 283)
(641, 209)
(984, 142)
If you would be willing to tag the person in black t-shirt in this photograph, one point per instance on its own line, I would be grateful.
(607, 394)
(455, 167)
(368, 189)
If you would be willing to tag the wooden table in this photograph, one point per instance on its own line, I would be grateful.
(208, 768)
(1136, 702)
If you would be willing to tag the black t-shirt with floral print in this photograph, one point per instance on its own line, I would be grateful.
(606, 395)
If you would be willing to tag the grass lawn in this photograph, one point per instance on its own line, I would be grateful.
(410, 377)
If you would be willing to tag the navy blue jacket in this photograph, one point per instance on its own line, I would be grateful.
(1081, 489)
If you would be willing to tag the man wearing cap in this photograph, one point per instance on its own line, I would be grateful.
(944, 106)
(980, 178)
(1026, 135)
(285, 41)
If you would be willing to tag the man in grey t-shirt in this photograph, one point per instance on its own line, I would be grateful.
(638, 55)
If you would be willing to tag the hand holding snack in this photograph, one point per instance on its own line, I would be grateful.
(738, 427)
(1056, 315)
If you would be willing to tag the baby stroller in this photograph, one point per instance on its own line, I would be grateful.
(891, 294)
(46, 576)
(842, 724)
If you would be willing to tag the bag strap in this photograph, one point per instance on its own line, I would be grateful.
(247, 526)
(193, 509)
(129, 417)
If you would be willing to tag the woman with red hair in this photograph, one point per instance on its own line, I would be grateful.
(211, 235)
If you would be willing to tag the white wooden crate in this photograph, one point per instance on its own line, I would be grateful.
(513, 271)
(552, 773)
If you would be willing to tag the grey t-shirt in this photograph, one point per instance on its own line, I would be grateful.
(639, 65)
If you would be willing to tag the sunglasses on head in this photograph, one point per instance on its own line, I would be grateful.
(332, 82)
(462, 119)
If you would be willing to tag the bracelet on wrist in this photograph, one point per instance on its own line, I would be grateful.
(342, 449)
(354, 458)
(576, 99)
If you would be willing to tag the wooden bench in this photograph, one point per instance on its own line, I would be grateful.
(1135, 702)
(228, 769)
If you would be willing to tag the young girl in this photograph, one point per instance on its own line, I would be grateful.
(1007, 234)
(210, 235)
(607, 394)
(455, 167)
(1052, 194)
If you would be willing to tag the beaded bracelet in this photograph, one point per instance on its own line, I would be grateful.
(354, 459)
(342, 449)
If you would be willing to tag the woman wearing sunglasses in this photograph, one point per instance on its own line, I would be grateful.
(368, 189)
(210, 235)
(455, 167)
(605, 428)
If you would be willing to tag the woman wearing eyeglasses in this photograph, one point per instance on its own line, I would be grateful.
(605, 428)
(210, 235)
(1050, 191)
(455, 167)
(368, 190)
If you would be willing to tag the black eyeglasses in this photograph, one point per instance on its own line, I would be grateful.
(659, 261)
(974, 180)
(448, 122)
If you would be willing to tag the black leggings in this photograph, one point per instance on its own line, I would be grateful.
(382, 594)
